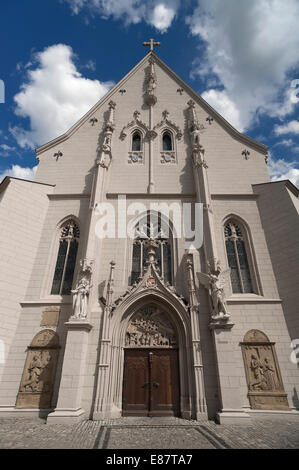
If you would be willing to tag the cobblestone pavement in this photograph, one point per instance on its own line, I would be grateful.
(148, 433)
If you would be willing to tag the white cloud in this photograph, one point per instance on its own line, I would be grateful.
(285, 143)
(162, 17)
(157, 13)
(250, 46)
(90, 65)
(220, 101)
(283, 170)
(19, 172)
(55, 96)
(6, 150)
(291, 127)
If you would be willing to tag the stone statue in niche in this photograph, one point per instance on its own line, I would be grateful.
(265, 386)
(81, 291)
(39, 371)
(80, 299)
(215, 281)
(150, 328)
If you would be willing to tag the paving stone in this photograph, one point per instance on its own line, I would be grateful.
(148, 433)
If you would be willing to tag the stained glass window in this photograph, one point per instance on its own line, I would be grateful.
(237, 259)
(66, 259)
(152, 227)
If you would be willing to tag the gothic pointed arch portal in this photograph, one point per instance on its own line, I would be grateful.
(151, 364)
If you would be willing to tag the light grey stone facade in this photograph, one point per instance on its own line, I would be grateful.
(209, 163)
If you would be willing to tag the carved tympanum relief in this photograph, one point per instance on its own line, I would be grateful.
(39, 371)
(265, 387)
(150, 327)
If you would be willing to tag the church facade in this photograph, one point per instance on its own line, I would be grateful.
(151, 269)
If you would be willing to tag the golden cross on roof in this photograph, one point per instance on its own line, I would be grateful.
(151, 43)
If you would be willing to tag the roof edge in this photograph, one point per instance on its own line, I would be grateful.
(287, 183)
(7, 179)
(232, 130)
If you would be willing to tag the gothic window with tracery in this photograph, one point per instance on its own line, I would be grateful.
(136, 142)
(152, 227)
(66, 259)
(167, 141)
(237, 259)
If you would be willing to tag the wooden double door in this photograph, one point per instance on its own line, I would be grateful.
(151, 382)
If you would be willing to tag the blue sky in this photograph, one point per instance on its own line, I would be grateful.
(58, 57)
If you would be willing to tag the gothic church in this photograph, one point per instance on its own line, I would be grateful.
(107, 326)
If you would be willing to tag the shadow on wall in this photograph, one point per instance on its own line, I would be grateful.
(295, 399)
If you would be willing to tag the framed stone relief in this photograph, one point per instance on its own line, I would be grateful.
(39, 371)
(265, 386)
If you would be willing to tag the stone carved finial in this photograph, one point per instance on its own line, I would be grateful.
(150, 245)
(151, 84)
(110, 286)
(136, 115)
(215, 281)
(81, 291)
(105, 152)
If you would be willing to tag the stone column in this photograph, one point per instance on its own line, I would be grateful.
(102, 407)
(69, 406)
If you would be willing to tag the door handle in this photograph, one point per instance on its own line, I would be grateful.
(156, 384)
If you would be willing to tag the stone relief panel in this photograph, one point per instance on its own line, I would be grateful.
(39, 371)
(265, 386)
(150, 327)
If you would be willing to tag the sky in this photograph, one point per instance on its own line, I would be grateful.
(59, 57)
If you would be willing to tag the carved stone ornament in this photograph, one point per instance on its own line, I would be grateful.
(168, 156)
(38, 378)
(150, 327)
(81, 291)
(135, 122)
(167, 123)
(135, 157)
(151, 84)
(198, 157)
(265, 386)
(195, 129)
(105, 153)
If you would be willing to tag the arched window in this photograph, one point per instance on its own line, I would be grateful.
(167, 141)
(237, 259)
(66, 259)
(136, 142)
(152, 226)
